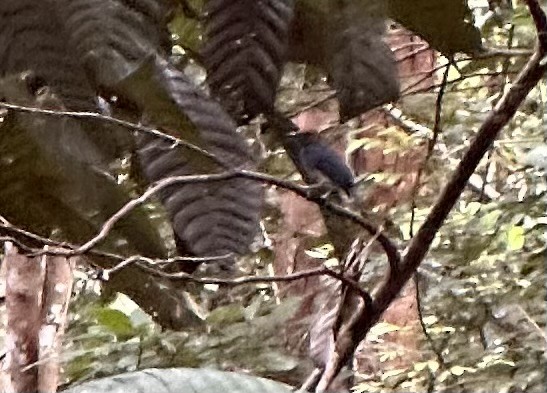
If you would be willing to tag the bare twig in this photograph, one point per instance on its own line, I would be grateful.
(422, 49)
(149, 265)
(233, 282)
(419, 310)
(430, 145)
(136, 259)
(389, 248)
(20, 245)
(34, 246)
(505, 69)
(36, 242)
(502, 52)
(408, 92)
(409, 45)
(350, 311)
(328, 96)
(113, 120)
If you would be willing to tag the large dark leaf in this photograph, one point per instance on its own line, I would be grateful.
(113, 37)
(346, 39)
(181, 380)
(245, 51)
(214, 217)
(361, 65)
(309, 32)
(32, 39)
(445, 24)
(53, 178)
(32, 42)
(56, 174)
(122, 48)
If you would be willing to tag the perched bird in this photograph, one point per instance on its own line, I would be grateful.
(320, 163)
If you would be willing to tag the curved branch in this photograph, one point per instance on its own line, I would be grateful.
(233, 282)
(112, 120)
(390, 249)
(500, 115)
(388, 246)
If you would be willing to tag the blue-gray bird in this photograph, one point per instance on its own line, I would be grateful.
(318, 161)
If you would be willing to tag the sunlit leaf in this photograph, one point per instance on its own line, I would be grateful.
(226, 315)
(115, 321)
(515, 238)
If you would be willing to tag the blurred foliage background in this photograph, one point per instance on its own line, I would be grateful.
(481, 288)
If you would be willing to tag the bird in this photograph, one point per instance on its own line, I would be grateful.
(319, 163)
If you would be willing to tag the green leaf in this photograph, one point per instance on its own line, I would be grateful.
(187, 32)
(182, 380)
(226, 315)
(115, 321)
(515, 238)
(460, 370)
(55, 167)
(277, 362)
(128, 307)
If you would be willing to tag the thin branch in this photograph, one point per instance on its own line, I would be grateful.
(410, 88)
(430, 145)
(419, 310)
(390, 249)
(67, 249)
(346, 328)
(37, 243)
(113, 120)
(149, 264)
(476, 184)
(244, 280)
(20, 245)
(438, 113)
(408, 45)
(414, 53)
(488, 53)
(104, 274)
(315, 103)
(505, 69)
(408, 92)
